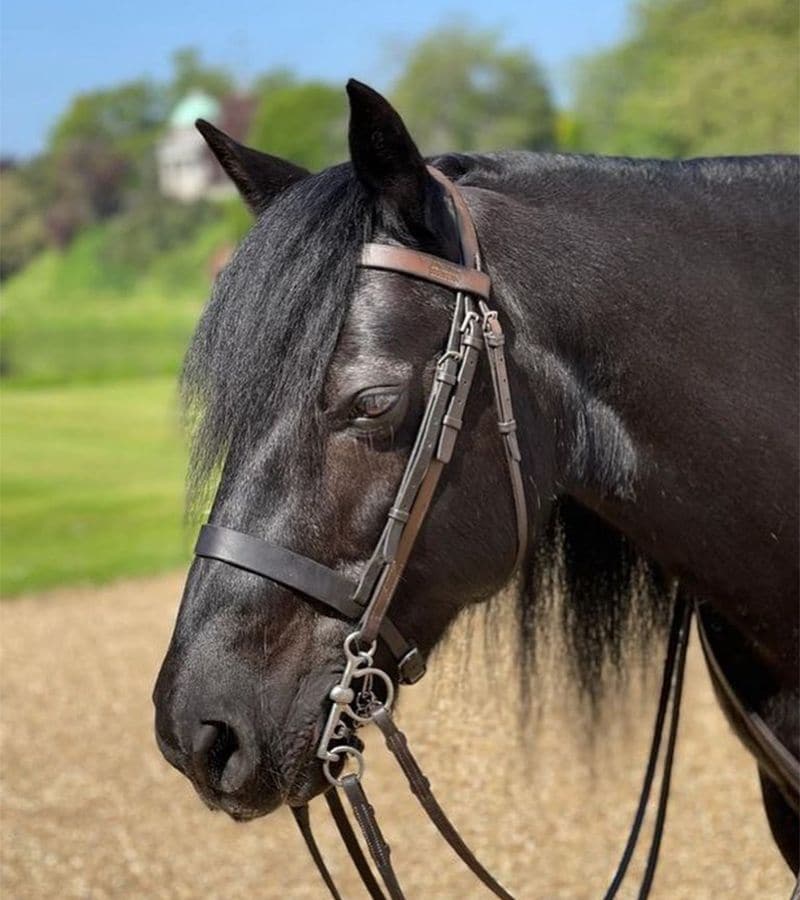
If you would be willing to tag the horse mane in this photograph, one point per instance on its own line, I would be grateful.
(527, 174)
(610, 604)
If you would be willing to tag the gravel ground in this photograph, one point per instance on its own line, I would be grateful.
(90, 809)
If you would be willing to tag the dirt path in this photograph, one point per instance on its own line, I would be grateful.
(90, 810)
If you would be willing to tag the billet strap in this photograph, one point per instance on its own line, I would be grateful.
(350, 841)
(397, 743)
(433, 448)
(426, 463)
(303, 819)
(425, 267)
(373, 837)
(671, 691)
(422, 451)
(390, 578)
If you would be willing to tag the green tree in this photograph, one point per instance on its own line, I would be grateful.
(97, 152)
(21, 222)
(462, 90)
(272, 80)
(696, 77)
(190, 73)
(90, 181)
(126, 119)
(305, 123)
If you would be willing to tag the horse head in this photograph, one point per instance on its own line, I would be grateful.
(309, 378)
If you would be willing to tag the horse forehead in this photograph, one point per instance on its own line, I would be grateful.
(392, 315)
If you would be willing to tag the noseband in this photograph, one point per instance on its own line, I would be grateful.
(366, 602)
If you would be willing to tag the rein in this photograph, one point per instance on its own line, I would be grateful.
(353, 700)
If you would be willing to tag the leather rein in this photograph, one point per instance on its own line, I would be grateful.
(354, 701)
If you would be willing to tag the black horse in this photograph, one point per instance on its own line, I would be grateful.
(651, 309)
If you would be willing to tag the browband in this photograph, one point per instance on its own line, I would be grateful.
(429, 268)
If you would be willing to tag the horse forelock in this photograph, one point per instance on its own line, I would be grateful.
(265, 339)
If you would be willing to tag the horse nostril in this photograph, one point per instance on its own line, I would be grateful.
(218, 762)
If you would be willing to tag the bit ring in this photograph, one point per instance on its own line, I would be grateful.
(356, 654)
(334, 756)
(387, 704)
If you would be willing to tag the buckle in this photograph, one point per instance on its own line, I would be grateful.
(411, 667)
(469, 319)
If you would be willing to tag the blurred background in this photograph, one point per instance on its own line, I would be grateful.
(114, 220)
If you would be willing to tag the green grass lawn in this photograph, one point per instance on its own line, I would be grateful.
(92, 484)
(71, 317)
(91, 456)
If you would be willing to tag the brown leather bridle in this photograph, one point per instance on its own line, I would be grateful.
(473, 326)
(354, 702)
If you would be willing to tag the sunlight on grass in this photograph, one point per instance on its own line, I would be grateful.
(92, 483)
(72, 317)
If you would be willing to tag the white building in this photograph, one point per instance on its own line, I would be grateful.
(186, 169)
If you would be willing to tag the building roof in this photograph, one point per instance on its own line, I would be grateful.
(195, 105)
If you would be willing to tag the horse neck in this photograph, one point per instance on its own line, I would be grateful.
(640, 330)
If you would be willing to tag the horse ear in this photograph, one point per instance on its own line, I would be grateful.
(384, 156)
(258, 176)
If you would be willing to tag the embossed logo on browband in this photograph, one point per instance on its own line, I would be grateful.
(423, 265)
(441, 271)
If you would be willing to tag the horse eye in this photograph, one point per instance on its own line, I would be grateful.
(373, 404)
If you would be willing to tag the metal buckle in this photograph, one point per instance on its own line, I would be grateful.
(455, 355)
(411, 667)
(469, 318)
(486, 311)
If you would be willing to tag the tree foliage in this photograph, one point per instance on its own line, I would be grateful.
(125, 118)
(692, 77)
(462, 90)
(696, 77)
(100, 164)
(304, 122)
(190, 73)
(20, 222)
